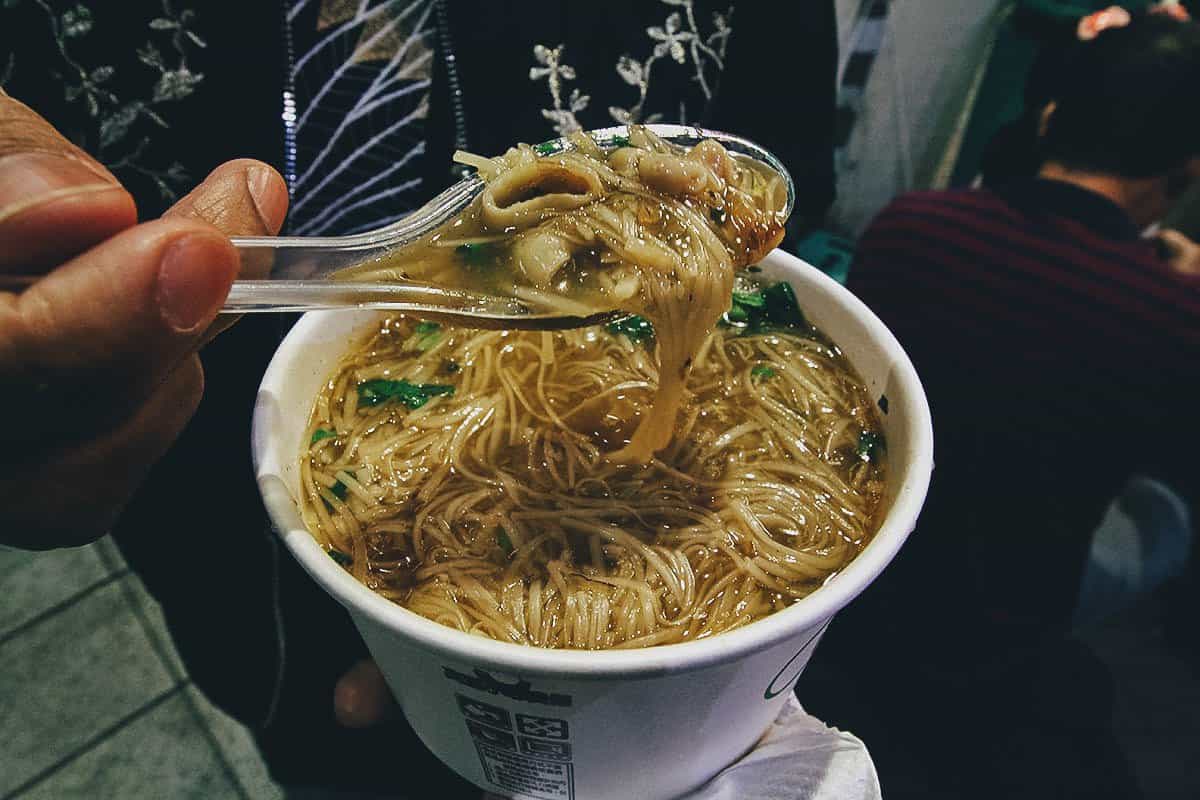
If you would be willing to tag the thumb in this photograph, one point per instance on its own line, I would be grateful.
(362, 698)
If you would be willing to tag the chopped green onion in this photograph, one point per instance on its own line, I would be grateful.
(636, 329)
(502, 539)
(413, 395)
(620, 141)
(763, 371)
(546, 148)
(869, 445)
(341, 558)
(321, 433)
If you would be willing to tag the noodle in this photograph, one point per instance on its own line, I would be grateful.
(649, 228)
(498, 510)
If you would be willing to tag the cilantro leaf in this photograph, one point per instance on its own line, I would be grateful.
(771, 307)
(479, 254)
(762, 371)
(425, 336)
(869, 445)
(321, 433)
(502, 539)
(751, 299)
(413, 395)
(636, 329)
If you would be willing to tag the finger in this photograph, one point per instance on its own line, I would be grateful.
(239, 198)
(97, 479)
(362, 698)
(55, 200)
(97, 334)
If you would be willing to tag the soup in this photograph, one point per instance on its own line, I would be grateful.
(674, 474)
(467, 476)
(647, 227)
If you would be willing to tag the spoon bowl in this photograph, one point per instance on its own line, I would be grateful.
(302, 268)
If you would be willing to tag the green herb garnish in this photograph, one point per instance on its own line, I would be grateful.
(319, 434)
(340, 489)
(869, 445)
(762, 371)
(502, 539)
(479, 254)
(636, 329)
(620, 141)
(413, 395)
(772, 307)
(750, 299)
(425, 336)
(341, 558)
(546, 148)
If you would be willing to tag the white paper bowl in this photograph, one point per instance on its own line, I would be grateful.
(613, 725)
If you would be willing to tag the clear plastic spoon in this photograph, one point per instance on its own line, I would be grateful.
(301, 267)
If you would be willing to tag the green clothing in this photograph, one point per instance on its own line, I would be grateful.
(1065, 10)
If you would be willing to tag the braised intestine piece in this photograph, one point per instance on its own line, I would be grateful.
(651, 228)
(676, 226)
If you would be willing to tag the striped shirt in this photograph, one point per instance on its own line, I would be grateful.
(1059, 354)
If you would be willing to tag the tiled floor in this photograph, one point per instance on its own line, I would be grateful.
(94, 702)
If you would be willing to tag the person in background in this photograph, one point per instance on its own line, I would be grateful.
(1054, 26)
(358, 107)
(1060, 351)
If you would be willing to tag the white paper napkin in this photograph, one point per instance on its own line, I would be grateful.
(799, 758)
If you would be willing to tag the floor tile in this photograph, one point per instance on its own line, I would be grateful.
(161, 754)
(67, 678)
(34, 582)
(149, 613)
(239, 749)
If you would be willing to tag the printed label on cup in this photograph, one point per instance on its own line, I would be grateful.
(526, 754)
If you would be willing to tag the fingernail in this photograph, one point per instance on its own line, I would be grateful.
(193, 280)
(30, 179)
(258, 182)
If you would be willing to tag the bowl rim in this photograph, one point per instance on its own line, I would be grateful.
(808, 613)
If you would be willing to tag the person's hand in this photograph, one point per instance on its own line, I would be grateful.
(98, 365)
(1182, 254)
(1093, 25)
(362, 697)
(1173, 10)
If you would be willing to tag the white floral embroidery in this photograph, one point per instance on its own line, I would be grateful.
(555, 72)
(681, 45)
(679, 37)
